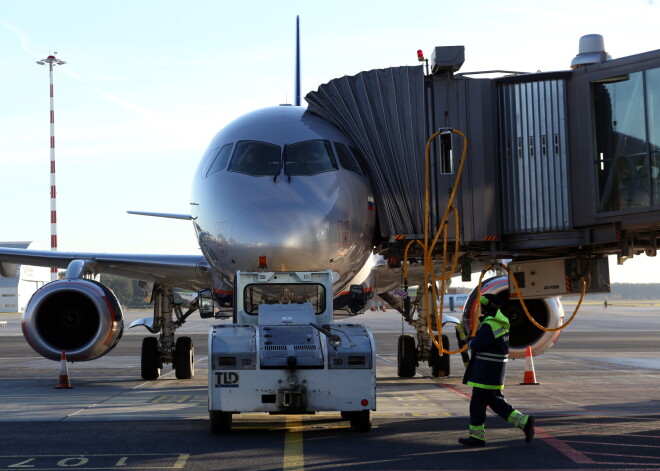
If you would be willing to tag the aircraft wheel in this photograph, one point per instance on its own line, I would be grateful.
(406, 356)
(150, 361)
(220, 421)
(361, 421)
(440, 363)
(184, 353)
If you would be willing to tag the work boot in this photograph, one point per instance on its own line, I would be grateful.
(529, 429)
(471, 441)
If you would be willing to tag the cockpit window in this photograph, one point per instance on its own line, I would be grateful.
(220, 160)
(309, 158)
(256, 158)
(346, 159)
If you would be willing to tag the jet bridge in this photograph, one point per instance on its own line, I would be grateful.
(558, 164)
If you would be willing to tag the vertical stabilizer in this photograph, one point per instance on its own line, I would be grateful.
(297, 92)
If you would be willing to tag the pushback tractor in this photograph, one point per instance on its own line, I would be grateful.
(284, 355)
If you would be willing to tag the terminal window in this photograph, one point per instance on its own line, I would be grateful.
(627, 116)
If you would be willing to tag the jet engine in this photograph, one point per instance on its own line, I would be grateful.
(548, 312)
(79, 316)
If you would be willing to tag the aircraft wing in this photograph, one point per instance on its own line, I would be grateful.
(182, 271)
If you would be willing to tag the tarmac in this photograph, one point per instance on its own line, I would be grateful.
(596, 407)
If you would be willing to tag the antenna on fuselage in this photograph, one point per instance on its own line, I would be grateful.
(297, 93)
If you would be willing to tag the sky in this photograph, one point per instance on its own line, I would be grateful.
(147, 84)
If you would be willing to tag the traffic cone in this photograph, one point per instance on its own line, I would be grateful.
(63, 382)
(529, 377)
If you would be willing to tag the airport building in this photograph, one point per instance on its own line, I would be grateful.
(17, 289)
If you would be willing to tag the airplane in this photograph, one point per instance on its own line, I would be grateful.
(279, 188)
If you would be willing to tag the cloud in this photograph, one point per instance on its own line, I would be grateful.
(24, 42)
(21, 36)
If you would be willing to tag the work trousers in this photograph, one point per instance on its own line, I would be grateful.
(493, 398)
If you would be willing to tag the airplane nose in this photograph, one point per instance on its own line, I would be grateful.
(282, 231)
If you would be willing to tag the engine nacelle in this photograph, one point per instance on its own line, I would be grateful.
(547, 312)
(79, 316)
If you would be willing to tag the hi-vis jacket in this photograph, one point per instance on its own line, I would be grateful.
(490, 353)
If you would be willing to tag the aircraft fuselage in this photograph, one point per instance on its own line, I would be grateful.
(281, 188)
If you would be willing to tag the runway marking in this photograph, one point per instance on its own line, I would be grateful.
(453, 389)
(563, 448)
(139, 386)
(294, 459)
(587, 442)
(93, 461)
(171, 399)
(389, 362)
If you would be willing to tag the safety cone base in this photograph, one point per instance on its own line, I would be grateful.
(63, 380)
(529, 376)
(63, 383)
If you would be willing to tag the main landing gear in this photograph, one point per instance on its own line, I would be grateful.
(157, 351)
(408, 356)
(152, 362)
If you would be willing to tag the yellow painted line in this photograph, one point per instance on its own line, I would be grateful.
(170, 399)
(293, 445)
(181, 462)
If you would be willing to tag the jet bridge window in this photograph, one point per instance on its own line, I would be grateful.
(256, 158)
(309, 158)
(220, 160)
(282, 293)
(627, 116)
(346, 159)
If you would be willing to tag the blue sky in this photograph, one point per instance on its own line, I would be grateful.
(148, 83)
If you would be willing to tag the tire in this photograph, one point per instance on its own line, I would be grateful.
(406, 356)
(184, 353)
(150, 360)
(361, 421)
(220, 421)
(440, 363)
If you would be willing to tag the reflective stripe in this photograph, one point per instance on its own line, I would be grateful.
(485, 386)
(478, 431)
(499, 332)
(496, 327)
(461, 331)
(492, 357)
(518, 419)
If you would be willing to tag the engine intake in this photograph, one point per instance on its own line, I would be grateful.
(547, 312)
(79, 316)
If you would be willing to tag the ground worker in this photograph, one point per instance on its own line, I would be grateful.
(486, 372)
(461, 338)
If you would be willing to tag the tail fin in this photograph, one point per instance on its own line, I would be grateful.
(297, 93)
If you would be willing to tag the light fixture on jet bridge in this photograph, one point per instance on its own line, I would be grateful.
(447, 59)
(591, 51)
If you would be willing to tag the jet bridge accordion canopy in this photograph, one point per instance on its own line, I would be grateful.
(383, 112)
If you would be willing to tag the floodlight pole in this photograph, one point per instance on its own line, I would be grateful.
(52, 61)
